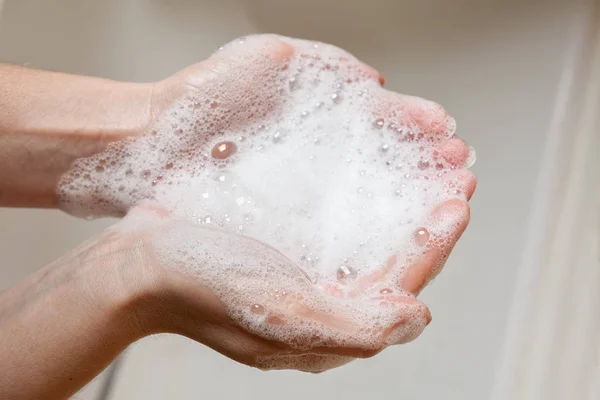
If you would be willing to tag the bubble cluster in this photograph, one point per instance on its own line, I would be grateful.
(293, 172)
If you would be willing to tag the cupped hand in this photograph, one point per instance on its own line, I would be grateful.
(233, 173)
(226, 292)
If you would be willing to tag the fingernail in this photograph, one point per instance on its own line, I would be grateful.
(451, 126)
(428, 316)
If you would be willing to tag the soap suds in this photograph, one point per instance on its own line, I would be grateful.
(311, 180)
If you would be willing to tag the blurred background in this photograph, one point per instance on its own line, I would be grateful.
(504, 69)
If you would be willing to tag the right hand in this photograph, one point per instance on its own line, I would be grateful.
(240, 312)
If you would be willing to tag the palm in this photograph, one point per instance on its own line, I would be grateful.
(313, 329)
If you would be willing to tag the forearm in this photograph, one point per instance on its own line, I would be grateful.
(49, 119)
(64, 324)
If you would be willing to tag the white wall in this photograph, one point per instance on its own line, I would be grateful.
(494, 64)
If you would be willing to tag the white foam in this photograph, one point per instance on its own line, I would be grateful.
(327, 172)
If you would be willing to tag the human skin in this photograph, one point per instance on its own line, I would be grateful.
(65, 323)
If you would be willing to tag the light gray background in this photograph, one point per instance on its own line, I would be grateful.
(493, 64)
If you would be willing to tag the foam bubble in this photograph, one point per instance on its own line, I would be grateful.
(292, 174)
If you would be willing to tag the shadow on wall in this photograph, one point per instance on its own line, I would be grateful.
(368, 27)
(428, 33)
(61, 35)
(353, 24)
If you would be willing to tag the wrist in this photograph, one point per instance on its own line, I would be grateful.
(128, 285)
(155, 300)
(81, 310)
(47, 120)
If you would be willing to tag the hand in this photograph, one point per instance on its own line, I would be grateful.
(305, 328)
(225, 289)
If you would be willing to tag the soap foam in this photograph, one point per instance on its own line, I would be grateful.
(292, 177)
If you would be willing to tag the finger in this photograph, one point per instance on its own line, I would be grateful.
(411, 322)
(455, 151)
(460, 182)
(403, 113)
(361, 328)
(445, 226)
